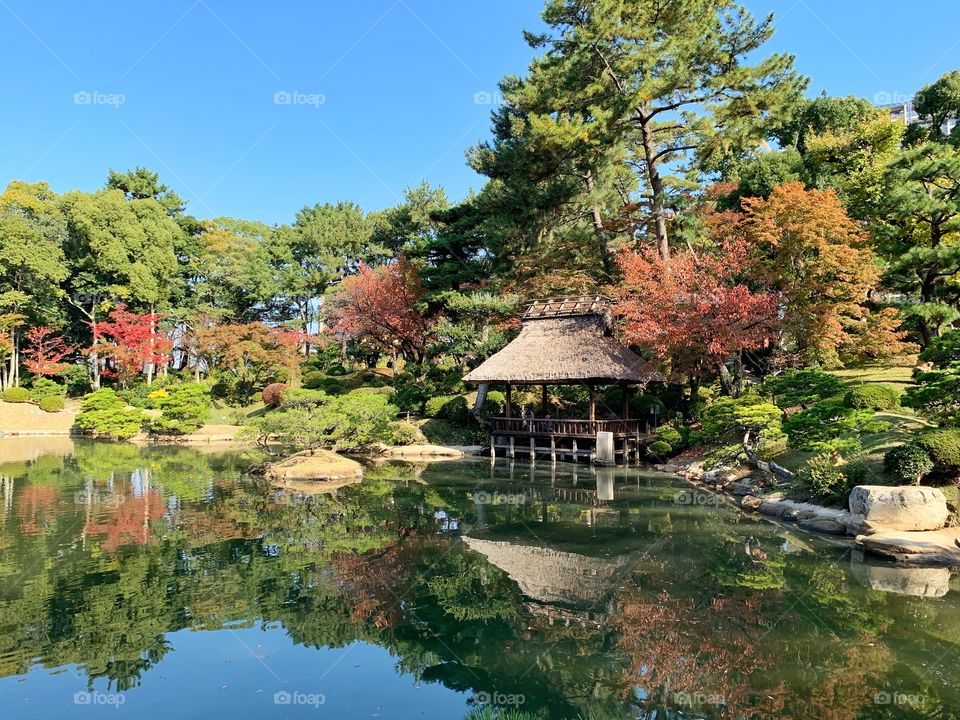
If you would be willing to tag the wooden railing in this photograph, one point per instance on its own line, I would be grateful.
(566, 427)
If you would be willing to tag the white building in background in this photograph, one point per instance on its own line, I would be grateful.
(904, 112)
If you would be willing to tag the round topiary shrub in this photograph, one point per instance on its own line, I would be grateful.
(908, 463)
(16, 395)
(52, 403)
(873, 397)
(824, 478)
(271, 394)
(659, 448)
(943, 447)
(670, 435)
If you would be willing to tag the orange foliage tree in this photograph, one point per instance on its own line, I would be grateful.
(378, 306)
(46, 351)
(695, 308)
(804, 246)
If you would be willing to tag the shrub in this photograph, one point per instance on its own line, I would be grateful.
(308, 419)
(381, 390)
(737, 415)
(823, 477)
(857, 472)
(801, 387)
(907, 463)
(404, 433)
(874, 397)
(184, 409)
(16, 395)
(76, 378)
(52, 403)
(104, 413)
(448, 407)
(337, 369)
(42, 387)
(670, 435)
(943, 447)
(271, 394)
(830, 425)
(659, 448)
(496, 403)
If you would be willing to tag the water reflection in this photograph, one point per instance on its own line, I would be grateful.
(594, 593)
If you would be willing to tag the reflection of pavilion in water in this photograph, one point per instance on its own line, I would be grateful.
(562, 587)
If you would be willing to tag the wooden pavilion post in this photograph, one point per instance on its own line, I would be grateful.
(543, 401)
(508, 411)
(627, 392)
(593, 403)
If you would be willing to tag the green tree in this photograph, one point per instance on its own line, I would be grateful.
(119, 250)
(32, 233)
(142, 184)
(625, 94)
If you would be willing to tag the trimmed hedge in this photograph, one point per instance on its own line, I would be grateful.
(42, 387)
(908, 463)
(16, 395)
(271, 394)
(52, 403)
(873, 397)
(943, 447)
(659, 448)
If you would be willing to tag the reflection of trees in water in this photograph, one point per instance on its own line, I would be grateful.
(711, 609)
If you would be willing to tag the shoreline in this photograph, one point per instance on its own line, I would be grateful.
(744, 487)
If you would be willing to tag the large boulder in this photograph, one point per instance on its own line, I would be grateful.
(909, 507)
(316, 465)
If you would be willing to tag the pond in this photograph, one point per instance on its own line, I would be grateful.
(166, 582)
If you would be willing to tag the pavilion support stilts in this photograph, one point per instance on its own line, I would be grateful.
(508, 409)
(574, 450)
(510, 450)
(533, 450)
(553, 449)
(493, 447)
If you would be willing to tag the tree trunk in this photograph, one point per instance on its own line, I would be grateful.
(656, 189)
(150, 364)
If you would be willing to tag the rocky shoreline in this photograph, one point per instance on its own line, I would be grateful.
(906, 524)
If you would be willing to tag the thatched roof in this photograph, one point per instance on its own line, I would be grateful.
(564, 341)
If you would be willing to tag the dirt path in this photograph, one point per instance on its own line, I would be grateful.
(28, 419)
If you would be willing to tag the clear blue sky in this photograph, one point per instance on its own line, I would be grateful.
(399, 82)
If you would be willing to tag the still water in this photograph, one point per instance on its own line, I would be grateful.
(168, 583)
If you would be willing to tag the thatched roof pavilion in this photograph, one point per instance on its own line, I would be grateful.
(565, 342)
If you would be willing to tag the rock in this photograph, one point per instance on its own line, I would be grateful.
(744, 487)
(423, 451)
(750, 502)
(828, 526)
(929, 548)
(919, 582)
(318, 465)
(898, 508)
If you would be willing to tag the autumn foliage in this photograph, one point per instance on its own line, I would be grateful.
(694, 307)
(378, 306)
(46, 351)
(128, 342)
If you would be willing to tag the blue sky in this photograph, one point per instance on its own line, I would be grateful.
(380, 93)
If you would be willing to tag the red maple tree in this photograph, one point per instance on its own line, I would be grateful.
(128, 342)
(378, 306)
(696, 308)
(46, 351)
